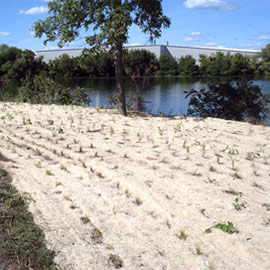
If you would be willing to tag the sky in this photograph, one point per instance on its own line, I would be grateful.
(239, 24)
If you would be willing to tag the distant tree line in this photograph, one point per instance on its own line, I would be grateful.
(19, 64)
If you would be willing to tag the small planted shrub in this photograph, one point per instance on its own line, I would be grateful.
(239, 205)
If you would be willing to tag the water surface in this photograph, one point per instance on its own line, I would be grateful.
(165, 95)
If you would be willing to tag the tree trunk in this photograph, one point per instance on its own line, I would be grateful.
(121, 100)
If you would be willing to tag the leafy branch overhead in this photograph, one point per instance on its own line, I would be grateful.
(104, 21)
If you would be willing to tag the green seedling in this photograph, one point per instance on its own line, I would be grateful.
(168, 224)
(178, 128)
(38, 165)
(48, 172)
(138, 201)
(116, 261)
(50, 122)
(251, 156)
(218, 158)
(38, 152)
(127, 193)
(85, 219)
(27, 121)
(236, 175)
(227, 228)
(100, 175)
(60, 130)
(182, 235)
(198, 251)
(160, 131)
(238, 205)
(111, 131)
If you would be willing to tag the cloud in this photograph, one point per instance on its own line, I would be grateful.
(257, 46)
(194, 36)
(35, 10)
(4, 34)
(190, 39)
(208, 4)
(260, 37)
(210, 44)
(195, 33)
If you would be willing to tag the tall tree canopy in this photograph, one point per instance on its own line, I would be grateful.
(106, 23)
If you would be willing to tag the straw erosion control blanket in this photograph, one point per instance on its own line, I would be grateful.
(141, 192)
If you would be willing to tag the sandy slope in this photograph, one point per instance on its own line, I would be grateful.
(141, 191)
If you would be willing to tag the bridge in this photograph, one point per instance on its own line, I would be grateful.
(174, 51)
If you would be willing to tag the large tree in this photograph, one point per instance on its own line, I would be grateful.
(106, 23)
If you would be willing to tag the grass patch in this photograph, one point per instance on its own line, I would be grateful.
(22, 243)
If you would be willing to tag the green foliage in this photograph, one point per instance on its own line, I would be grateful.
(205, 63)
(22, 242)
(241, 65)
(97, 64)
(236, 101)
(263, 62)
(239, 205)
(167, 65)
(227, 228)
(265, 53)
(18, 64)
(220, 64)
(65, 66)
(44, 90)
(111, 19)
(187, 66)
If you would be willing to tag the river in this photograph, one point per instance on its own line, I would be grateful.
(165, 95)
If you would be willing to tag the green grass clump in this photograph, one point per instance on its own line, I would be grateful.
(22, 242)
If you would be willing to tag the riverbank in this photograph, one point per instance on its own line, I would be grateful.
(140, 192)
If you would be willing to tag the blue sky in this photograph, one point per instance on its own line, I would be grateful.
(242, 24)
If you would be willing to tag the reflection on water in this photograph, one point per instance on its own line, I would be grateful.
(165, 95)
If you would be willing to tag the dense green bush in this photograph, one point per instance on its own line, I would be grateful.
(233, 101)
(98, 64)
(17, 64)
(65, 66)
(47, 91)
(187, 66)
(167, 65)
(220, 64)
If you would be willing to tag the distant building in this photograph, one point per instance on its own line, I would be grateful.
(174, 51)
